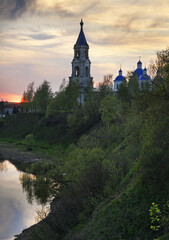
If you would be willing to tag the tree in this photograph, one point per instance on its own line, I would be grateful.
(105, 88)
(110, 110)
(72, 92)
(133, 84)
(66, 99)
(58, 104)
(28, 96)
(123, 92)
(43, 96)
(161, 68)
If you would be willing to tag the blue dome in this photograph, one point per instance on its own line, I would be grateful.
(144, 77)
(138, 72)
(119, 78)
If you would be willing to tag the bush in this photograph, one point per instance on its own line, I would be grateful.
(29, 141)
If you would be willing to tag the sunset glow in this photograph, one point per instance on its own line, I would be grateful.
(37, 39)
(10, 97)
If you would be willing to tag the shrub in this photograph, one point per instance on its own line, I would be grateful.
(29, 141)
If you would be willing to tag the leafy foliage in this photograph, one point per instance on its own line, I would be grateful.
(155, 217)
(42, 97)
(29, 141)
(117, 162)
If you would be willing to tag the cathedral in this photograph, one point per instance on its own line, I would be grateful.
(139, 72)
(81, 68)
(81, 64)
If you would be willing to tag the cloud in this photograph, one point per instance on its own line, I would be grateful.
(20, 7)
(92, 7)
(42, 36)
(12, 9)
(137, 40)
(43, 32)
(127, 23)
(159, 23)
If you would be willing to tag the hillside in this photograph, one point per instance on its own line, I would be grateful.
(111, 162)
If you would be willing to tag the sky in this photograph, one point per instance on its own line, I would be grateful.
(37, 39)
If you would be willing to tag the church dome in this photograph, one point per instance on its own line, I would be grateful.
(139, 70)
(120, 77)
(144, 76)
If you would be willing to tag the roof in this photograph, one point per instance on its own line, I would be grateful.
(119, 78)
(81, 41)
(138, 72)
(144, 77)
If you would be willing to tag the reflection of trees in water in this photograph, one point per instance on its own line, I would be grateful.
(3, 166)
(41, 213)
(36, 188)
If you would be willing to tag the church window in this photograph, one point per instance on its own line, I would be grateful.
(77, 71)
(87, 71)
(77, 54)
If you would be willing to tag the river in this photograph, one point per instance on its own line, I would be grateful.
(18, 209)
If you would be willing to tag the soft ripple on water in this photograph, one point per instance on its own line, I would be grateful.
(16, 213)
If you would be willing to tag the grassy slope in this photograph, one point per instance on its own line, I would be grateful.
(127, 215)
(124, 217)
(44, 130)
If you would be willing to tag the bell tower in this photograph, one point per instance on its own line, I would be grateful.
(81, 64)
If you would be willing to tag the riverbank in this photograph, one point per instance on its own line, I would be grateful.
(22, 159)
(11, 151)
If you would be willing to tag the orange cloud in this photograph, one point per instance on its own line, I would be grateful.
(10, 97)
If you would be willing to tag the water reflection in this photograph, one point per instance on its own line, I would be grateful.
(41, 213)
(3, 166)
(36, 188)
(19, 207)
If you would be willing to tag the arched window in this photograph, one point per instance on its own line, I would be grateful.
(77, 71)
(77, 54)
(87, 71)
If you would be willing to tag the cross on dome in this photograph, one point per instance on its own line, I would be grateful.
(81, 23)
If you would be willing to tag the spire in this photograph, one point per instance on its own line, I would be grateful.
(81, 23)
(120, 71)
(81, 41)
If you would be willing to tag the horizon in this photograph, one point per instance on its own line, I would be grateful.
(37, 39)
